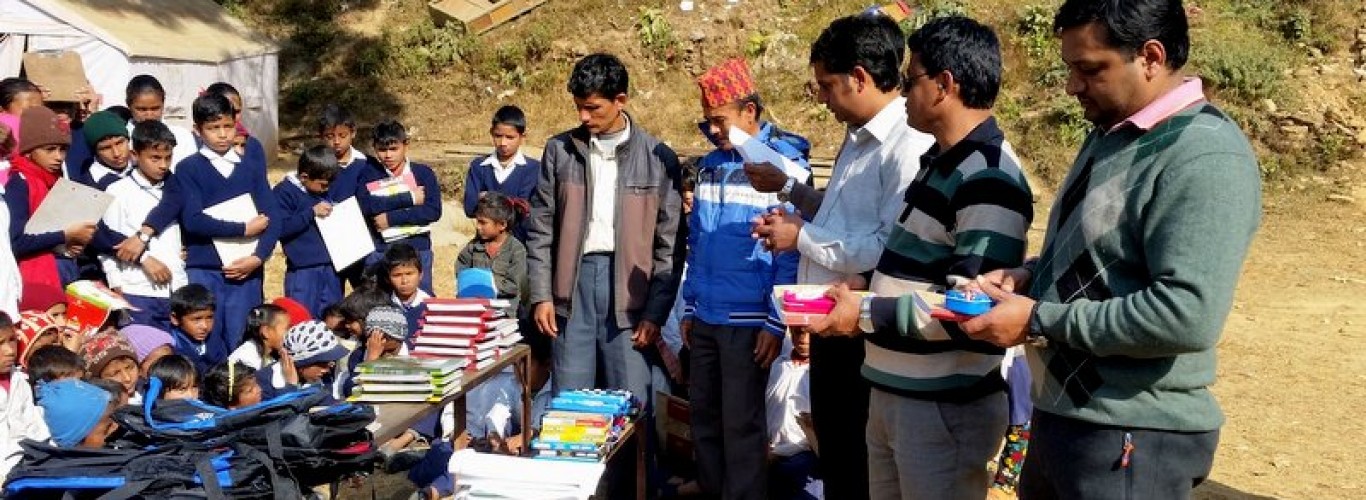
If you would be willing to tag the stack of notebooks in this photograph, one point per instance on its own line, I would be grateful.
(394, 187)
(583, 425)
(476, 331)
(406, 380)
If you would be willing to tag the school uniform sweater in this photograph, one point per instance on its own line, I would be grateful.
(197, 352)
(94, 174)
(347, 181)
(203, 186)
(78, 153)
(520, 183)
(400, 210)
(412, 311)
(965, 214)
(299, 234)
(1145, 244)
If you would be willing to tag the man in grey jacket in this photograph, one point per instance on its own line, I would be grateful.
(601, 236)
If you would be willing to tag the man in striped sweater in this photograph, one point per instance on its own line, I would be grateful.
(1144, 247)
(966, 213)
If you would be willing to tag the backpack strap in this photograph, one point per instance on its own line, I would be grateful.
(127, 491)
(209, 476)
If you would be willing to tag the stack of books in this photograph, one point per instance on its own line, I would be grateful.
(583, 425)
(476, 331)
(394, 187)
(406, 380)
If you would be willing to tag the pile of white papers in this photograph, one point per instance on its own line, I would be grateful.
(487, 475)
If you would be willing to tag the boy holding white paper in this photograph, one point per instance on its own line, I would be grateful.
(728, 320)
(401, 198)
(148, 283)
(309, 274)
(228, 203)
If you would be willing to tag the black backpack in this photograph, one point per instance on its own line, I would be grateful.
(176, 471)
(313, 448)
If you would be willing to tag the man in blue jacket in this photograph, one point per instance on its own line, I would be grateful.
(729, 321)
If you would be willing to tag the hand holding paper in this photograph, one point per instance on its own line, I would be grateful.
(752, 150)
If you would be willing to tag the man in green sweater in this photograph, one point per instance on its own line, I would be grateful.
(1143, 251)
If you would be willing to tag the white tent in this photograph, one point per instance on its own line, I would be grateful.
(186, 44)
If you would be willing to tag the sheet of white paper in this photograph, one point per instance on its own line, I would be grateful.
(240, 209)
(755, 151)
(68, 203)
(498, 476)
(344, 234)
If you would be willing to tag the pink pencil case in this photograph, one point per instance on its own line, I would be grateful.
(797, 303)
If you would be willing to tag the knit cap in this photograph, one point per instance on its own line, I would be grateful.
(32, 324)
(145, 339)
(39, 127)
(311, 342)
(103, 348)
(101, 126)
(296, 311)
(389, 320)
(71, 409)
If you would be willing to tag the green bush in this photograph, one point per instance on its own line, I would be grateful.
(656, 33)
(930, 9)
(1241, 64)
(1034, 33)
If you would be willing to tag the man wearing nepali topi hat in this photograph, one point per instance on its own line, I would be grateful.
(728, 319)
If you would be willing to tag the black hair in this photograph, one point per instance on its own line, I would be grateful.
(143, 84)
(752, 99)
(318, 163)
(260, 317)
(511, 116)
(388, 133)
(122, 112)
(151, 133)
(224, 89)
(51, 362)
(175, 371)
(600, 74)
(191, 298)
(223, 384)
(10, 88)
(332, 310)
(872, 42)
(1128, 24)
(501, 208)
(334, 116)
(401, 254)
(114, 389)
(210, 107)
(6, 322)
(357, 306)
(965, 48)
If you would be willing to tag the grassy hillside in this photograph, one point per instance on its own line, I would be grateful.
(1284, 69)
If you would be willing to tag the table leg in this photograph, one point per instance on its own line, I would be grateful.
(641, 486)
(524, 366)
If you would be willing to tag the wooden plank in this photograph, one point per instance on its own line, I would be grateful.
(393, 419)
(480, 16)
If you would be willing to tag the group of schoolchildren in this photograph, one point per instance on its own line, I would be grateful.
(202, 327)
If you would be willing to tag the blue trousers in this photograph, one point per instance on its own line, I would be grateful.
(592, 347)
(424, 257)
(315, 287)
(233, 300)
(151, 311)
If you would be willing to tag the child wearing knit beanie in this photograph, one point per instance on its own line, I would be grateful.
(109, 356)
(43, 142)
(70, 411)
(149, 344)
(106, 134)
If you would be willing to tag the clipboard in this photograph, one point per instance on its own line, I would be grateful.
(61, 72)
(67, 203)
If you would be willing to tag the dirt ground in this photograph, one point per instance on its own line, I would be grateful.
(1290, 377)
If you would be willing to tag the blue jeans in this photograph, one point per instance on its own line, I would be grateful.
(233, 299)
(315, 287)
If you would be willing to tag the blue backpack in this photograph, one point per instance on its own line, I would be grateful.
(233, 471)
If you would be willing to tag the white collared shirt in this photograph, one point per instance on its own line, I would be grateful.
(186, 145)
(134, 198)
(875, 164)
(602, 175)
(352, 156)
(98, 171)
(224, 164)
(418, 299)
(501, 171)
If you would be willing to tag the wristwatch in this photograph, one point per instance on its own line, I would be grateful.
(1035, 336)
(865, 313)
(785, 193)
(144, 237)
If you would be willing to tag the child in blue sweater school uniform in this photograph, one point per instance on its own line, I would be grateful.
(192, 319)
(505, 171)
(405, 217)
(215, 175)
(337, 129)
(309, 277)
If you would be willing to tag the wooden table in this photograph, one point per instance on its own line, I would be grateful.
(392, 419)
(629, 433)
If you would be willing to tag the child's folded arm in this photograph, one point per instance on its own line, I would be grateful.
(267, 204)
(294, 220)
